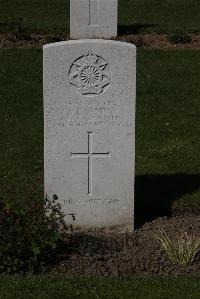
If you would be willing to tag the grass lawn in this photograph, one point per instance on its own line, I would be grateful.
(167, 132)
(61, 287)
(21, 125)
(134, 15)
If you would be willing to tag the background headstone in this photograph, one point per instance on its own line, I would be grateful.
(89, 107)
(93, 18)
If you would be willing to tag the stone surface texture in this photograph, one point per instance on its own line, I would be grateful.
(93, 18)
(89, 117)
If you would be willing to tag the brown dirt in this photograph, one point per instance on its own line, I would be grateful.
(159, 41)
(153, 40)
(11, 40)
(126, 254)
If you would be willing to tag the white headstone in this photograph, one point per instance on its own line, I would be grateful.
(89, 107)
(93, 18)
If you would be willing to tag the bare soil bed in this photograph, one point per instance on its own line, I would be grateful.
(149, 40)
(126, 254)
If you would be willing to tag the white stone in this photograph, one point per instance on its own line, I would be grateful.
(93, 18)
(89, 116)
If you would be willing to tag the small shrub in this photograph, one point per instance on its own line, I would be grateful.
(181, 252)
(15, 29)
(137, 40)
(179, 37)
(30, 235)
(20, 33)
(57, 37)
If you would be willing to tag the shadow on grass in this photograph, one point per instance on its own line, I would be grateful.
(134, 28)
(154, 194)
(11, 26)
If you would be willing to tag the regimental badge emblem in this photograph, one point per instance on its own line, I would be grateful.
(91, 74)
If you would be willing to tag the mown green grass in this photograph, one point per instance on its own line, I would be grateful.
(61, 287)
(167, 127)
(21, 123)
(139, 15)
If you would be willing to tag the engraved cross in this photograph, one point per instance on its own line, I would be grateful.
(90, 155)
(93, 12)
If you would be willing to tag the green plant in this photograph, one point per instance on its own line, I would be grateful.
(181, 252)
(137, 40)
(56, 37)
(30, 235)
(179, 37)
